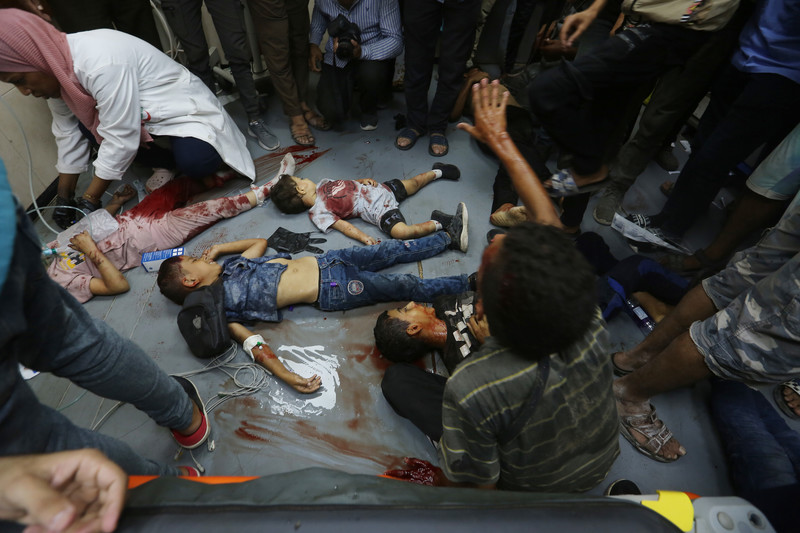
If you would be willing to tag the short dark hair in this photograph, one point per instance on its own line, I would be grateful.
(285, 197)
(170, 280)
(394, 343)
(538, 291)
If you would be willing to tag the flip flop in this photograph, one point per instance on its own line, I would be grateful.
(438, 139)
(562, 184)
(777, 395)
(410, 134)
(297, 134)
(647, 425)
(316, 121)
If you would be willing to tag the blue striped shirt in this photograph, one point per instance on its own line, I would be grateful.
(379, 21)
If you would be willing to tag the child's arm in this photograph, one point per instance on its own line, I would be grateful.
(353, 232)
(265, 357)
(111, 281)
(249, 248)
(489, 107)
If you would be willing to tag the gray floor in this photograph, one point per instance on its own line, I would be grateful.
(348, 426)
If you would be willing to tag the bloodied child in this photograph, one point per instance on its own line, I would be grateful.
(256, 287)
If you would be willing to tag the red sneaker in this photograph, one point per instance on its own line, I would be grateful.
(201, 434)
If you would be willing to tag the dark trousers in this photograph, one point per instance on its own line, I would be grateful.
(184, 18)
(283, 27)
(745, 111)
(131, 16)
(422, 21)
(579, 103)
(416, 395)
(336, 86)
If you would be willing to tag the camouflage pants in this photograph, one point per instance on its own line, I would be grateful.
(755, 335)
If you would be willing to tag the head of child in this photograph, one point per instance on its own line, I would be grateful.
(293, 195)
(537, 292)
(178, 276)
(401, 334)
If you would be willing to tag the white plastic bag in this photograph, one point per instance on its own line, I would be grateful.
(102, 225)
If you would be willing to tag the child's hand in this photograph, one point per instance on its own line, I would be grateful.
(305, 385)
(82, 242)
(123, 194)
(369, 241)
(211, 253)
(368, 181)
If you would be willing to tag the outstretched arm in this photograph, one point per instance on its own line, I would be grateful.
(249, 248)
(489, 107)
(353, 232)
(264, 356)
(111, 281)
(575, 24)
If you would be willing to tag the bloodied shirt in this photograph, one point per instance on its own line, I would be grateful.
(569, 440)
(345, 199)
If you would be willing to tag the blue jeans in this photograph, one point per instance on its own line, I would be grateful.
(763, 452)
(46, 329)
(348, 278)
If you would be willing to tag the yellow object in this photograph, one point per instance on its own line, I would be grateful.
(675, 507)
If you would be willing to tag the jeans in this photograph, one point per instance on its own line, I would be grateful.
(416, 395)
(763, 452)
(349, 278)
(46, 329)
(745, 111)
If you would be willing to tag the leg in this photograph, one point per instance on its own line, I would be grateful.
(183, 17)
(228, 17)
(334, 91)
(136, 17)
(299, 26)
(401, 230)
(416, 395)
(390, 252)
(194, 157)
(421, 21)
(81, 15)
(374, 79)
(458, 34)
(414, 184)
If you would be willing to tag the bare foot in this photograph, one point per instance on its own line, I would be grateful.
(508, 215)
(640, 425)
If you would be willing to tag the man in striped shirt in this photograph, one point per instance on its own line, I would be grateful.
(533, 409)
(368, 64)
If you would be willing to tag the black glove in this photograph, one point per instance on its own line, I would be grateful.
(289, 242)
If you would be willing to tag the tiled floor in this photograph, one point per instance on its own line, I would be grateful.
(348, 426)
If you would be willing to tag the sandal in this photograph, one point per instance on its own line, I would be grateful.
(653, 429)
(315, 120)
(509, 217)
(562, 184)
(301, 134)
(438, 139)
(780, 401)
(407, 133)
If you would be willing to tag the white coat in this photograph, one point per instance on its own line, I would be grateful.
(133, 83)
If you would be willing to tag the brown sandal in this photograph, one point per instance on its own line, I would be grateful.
(315, 120)
(301, 134)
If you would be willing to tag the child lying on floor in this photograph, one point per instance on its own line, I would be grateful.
(333, 201)
(156, 223)
(256, 287)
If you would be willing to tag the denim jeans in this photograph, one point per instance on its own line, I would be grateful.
(348, 278)
(46, 329)
(763, 451)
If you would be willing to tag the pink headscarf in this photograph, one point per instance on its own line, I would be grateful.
(29, 43)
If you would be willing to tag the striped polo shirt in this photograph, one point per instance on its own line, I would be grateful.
(570, 439)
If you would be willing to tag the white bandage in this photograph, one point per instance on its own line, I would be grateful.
(251, 342)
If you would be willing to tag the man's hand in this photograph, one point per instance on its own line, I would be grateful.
(314, 58)
(304, 385)
(420, 472)
(83, 242)
(356, 47)
(489, 102)
(479, 328)
(575, 24)
(73, 491)
(368, 181)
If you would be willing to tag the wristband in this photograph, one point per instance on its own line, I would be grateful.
(251, 342)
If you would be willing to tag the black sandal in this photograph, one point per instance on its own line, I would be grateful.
(407, 133)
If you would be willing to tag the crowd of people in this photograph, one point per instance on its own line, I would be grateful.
(529, 400)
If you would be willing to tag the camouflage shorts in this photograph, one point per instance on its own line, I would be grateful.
(755, 335)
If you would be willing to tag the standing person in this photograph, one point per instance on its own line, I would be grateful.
(130, 16)
(283, 27)
(423, 20)
(113, 90)
(184, 18)
(365, 37)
